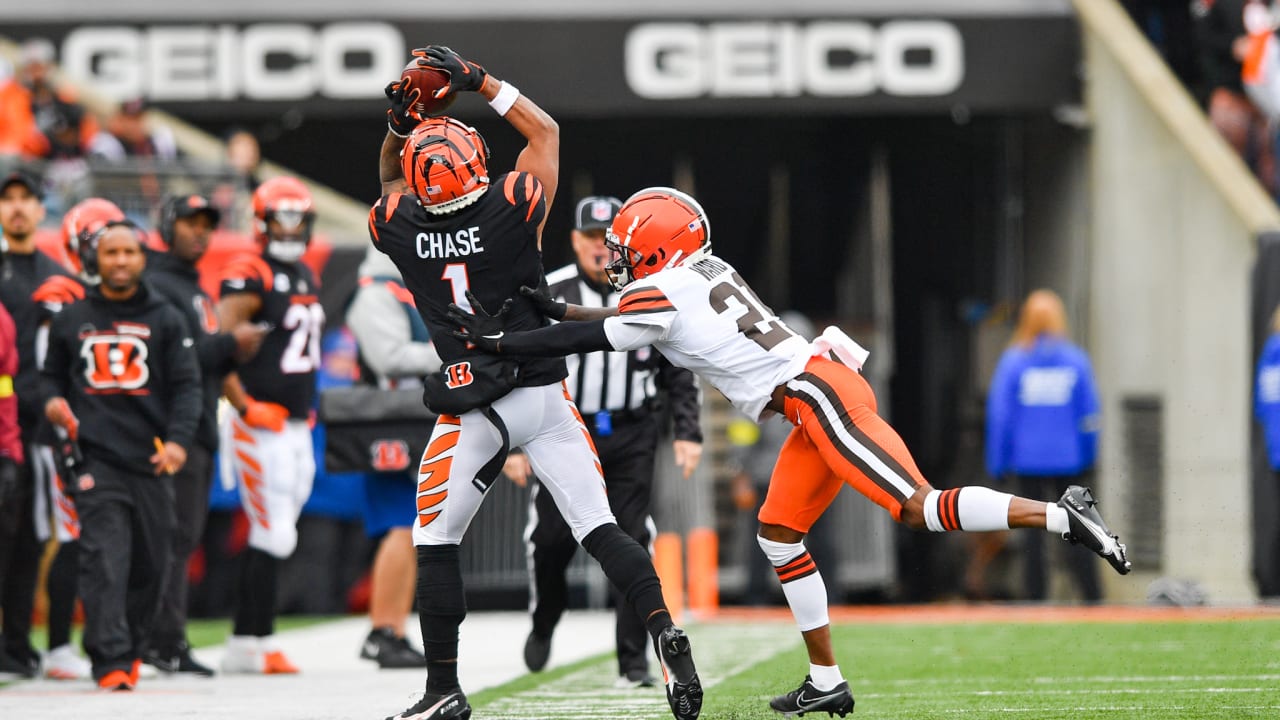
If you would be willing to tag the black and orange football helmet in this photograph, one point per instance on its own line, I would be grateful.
(657, 228)
(446, 164)
(79, 225)
(287, 201)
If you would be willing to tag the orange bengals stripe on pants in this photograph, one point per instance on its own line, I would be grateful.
(433, 470)
(838, 439)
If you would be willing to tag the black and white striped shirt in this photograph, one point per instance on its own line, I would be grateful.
(623, 381)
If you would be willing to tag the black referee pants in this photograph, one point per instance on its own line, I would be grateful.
(126, 539)
(191, 491)
(627, 456)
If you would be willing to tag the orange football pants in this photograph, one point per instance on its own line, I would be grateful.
(838, 439)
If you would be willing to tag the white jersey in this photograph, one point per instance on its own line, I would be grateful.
(703, 317)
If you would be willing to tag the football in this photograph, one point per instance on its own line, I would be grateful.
(428, 80)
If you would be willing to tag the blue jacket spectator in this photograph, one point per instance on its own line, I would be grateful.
(1042, 427)
(1042, 410)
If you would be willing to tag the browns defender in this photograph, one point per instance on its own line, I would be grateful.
(697, 310)
(266, 445)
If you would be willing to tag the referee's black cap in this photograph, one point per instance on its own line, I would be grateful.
(595, 212)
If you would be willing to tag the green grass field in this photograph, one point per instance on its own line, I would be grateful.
(1042, 671)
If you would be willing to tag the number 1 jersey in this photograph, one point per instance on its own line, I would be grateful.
(284, 369)
(489, 248)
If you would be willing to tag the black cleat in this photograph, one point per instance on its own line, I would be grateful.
(807, 698)
(23, 662)
(176, 660)
(537, 650)
(684, 690)
(450, 706)
(390, 652)
(1088, 529)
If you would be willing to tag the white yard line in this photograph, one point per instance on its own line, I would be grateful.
(334, 683)
(720, 651)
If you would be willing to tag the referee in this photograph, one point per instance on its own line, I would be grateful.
(616, 392)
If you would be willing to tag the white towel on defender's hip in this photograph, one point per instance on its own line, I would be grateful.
(840, 347)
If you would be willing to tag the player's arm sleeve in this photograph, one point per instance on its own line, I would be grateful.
(686, 400)
(383, 333)
(566, 338)
(183, 375)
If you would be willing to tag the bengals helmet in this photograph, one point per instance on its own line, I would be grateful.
(446, 164)
(657, 228)
(287, 201)
(79, 225)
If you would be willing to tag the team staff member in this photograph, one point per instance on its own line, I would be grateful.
(121, 378)
(55, 510)
(186, 224)
(24, 268)
(616, 394)
(266, 447)
(453, 232)
(700, 314)
(396, 352)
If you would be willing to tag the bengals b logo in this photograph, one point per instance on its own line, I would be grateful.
(115, 362)
(457, 375)
(389, 455)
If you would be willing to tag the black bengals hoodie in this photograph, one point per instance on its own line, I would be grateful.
(129, 371)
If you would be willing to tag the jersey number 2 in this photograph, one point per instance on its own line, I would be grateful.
(302, 354)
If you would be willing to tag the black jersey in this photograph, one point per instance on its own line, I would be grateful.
(284, 369)
(20, 276)
(178, 282)
(489, 248)
(129, 371)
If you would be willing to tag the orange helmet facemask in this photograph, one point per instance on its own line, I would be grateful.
(657, 228)
(288, 202)
(445, 163)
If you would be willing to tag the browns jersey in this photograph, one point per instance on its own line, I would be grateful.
(489, 247)
(284, 369)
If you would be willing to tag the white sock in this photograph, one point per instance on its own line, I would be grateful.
(972, 508)
(1055, 519)
(243, 643)
(802, 584)
(825, 677)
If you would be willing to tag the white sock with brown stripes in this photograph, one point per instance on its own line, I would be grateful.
(802, 584)
(972, 508)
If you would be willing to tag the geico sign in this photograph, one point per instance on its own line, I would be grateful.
(283, 61)
(762, 59)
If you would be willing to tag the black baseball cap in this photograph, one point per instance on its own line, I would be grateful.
(595, 212)
(185, 206)
(25, 179)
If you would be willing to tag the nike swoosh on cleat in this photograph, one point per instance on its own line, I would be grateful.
(371, 650)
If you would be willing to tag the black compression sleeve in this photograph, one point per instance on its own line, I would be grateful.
(566, 338)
